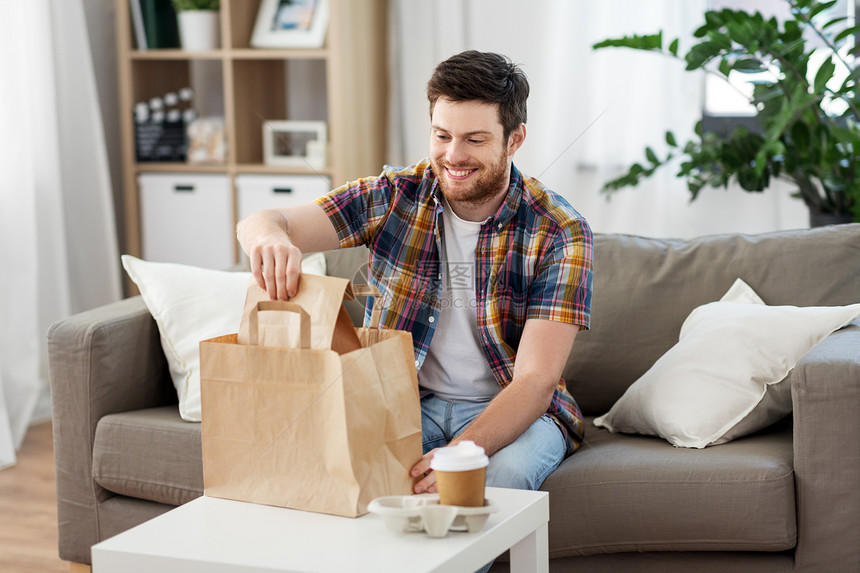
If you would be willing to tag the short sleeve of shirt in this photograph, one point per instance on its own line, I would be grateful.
(357, 208)
(561, 289)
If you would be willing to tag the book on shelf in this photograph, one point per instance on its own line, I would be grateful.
(137, 24)
(155, 24)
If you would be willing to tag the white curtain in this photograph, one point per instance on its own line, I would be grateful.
(58, 248)
(591, 113)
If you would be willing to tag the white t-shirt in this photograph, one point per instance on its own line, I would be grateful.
(456, 368)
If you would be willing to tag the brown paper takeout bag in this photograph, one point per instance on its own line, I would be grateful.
(302, 410)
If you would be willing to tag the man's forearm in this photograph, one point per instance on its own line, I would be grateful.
(250, 229)
(541, 356)
(306, 226)
(274, 241)
(509, 414)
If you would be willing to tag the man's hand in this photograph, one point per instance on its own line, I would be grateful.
(276, 264)
(427, 483)
(274, 241)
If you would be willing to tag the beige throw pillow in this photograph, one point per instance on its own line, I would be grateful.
(728, 375)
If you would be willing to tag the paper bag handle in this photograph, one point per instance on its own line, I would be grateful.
(304, 320)
(376, 311)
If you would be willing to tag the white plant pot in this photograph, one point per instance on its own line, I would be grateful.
(199, 30)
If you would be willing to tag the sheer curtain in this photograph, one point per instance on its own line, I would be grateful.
(591, 113)
(58, 248)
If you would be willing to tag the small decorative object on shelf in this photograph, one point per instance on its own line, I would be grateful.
(186, 104)
(199, 28)
(291, 24)
(206, 141)
(159, 129)
(295, 143)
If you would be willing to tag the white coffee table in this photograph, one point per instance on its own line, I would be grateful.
(216, 536)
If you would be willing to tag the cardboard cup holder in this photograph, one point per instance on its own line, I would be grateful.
(416, 513)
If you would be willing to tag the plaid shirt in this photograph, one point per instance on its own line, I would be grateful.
(533, 260)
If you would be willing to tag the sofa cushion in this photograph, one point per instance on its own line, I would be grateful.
(149, 454)
(728, 374)
(645, 288)
(635, 493)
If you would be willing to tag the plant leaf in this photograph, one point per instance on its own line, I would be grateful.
(713, 19)
(743, 32)
(702, 53)
(651, 156)
(749, 65)
(845, 33)
(636, 42)
(673, 47)
(823, 75)
(833, 22)
(800, 135)
(818, 8)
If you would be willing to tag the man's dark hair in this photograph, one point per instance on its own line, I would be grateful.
(483, 76)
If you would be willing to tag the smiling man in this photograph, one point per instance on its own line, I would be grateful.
(490, 271)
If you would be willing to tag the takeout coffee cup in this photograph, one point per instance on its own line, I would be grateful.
(460, 474)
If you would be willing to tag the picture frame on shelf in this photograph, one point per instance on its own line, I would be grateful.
(293, 143)
(291, 24)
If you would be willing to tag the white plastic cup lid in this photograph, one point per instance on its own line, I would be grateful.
(465, 456)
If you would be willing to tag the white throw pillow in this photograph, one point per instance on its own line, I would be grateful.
(728, 374)
(190, 304)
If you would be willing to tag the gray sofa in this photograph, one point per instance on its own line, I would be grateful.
(784, 499)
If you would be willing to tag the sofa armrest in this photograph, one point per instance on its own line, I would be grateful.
(826, 400)
(101, 361)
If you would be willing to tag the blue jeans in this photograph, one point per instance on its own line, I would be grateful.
(523, 464)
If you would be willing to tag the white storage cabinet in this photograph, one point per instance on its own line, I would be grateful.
(187, 218)
(258, 192)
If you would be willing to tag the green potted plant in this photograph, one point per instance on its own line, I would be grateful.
(199, 28)
(798, 136)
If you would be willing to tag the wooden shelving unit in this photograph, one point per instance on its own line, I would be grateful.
(253, 83)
